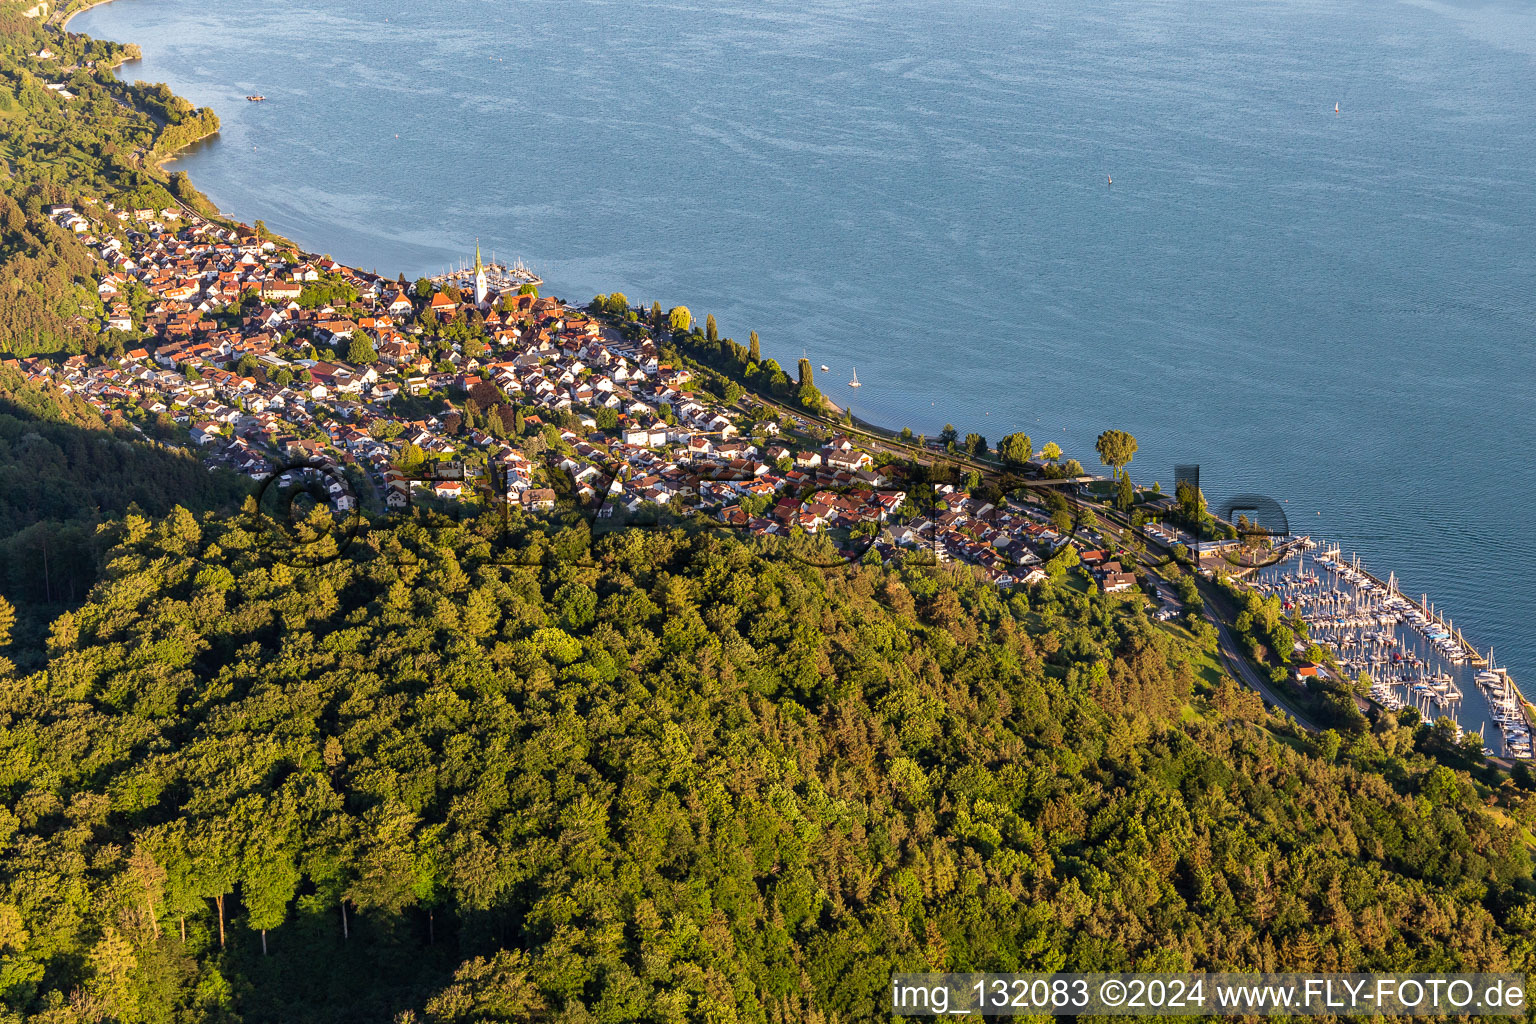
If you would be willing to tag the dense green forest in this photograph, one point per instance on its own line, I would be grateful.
(660, 776)
(673, 778)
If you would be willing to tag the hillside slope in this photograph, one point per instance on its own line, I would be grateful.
(65, 473)
(672, 779)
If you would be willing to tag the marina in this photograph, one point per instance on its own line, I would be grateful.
(498, 276)
(1412, 654)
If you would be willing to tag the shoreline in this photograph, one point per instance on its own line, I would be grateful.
(64, 25)
(157, 163)
(829, 418)
(836, 411)
(160, 162)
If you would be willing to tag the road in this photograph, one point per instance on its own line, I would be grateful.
(1227, 643)
(892, 446)
(1238, 664)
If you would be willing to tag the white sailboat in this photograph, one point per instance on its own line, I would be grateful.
(855, 382)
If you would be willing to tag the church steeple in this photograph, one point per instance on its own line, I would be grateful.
(482, 288)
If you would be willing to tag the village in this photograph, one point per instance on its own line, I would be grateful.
(244, 343)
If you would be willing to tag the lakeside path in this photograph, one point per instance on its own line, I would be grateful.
(890, 442)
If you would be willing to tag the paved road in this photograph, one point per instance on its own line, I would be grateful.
(892, 446)
(1226, 640)
(1238, 664)
(1227, 643)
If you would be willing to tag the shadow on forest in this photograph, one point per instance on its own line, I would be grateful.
(59, 482)
(310, 973)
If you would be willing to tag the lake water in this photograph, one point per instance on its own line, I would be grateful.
(1335, 310)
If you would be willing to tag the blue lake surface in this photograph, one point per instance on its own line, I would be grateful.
(1335, 310)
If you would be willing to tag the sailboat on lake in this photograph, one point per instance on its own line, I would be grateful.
(855, 382)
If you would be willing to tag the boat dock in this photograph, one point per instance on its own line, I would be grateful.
(1292, 546)
(1452, 637)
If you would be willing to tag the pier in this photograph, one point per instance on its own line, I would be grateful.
(1469, 654)
(1294, 545)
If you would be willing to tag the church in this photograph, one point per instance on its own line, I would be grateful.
(482, 286)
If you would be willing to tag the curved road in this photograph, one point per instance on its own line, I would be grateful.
(1240, 667)
(1237, 663)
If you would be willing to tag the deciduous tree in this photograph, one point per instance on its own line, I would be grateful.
(1015, 449)
(1116, 448)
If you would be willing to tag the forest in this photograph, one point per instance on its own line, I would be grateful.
(105, 143)
(672, 777)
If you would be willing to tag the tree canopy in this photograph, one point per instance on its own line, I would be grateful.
(360, 349)
(1015, 449)
(494, 767)
(1116, 449)
(474, 769)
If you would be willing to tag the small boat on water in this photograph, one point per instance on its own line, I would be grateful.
(825, 368)
(855, 382)
(1335, 108)
(255, 99)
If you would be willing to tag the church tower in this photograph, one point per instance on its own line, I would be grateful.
(482, 290)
